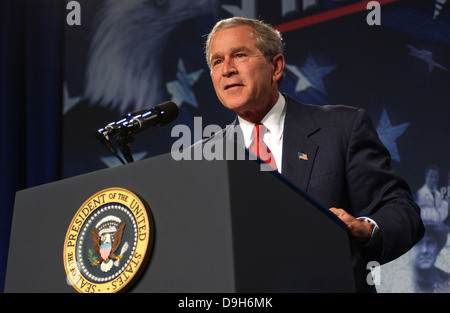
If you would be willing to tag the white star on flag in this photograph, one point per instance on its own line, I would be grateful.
(68, 102)
(389, 134)
(180, 89)
(426, 56)
(310, 75)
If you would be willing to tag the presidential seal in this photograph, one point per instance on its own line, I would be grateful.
(108, 242)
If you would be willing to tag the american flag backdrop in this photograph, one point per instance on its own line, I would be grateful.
(390, 57)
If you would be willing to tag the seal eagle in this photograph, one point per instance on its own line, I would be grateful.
(107, 236)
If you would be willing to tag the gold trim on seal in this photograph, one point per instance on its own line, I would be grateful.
(79, 232)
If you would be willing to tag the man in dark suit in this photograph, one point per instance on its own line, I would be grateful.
(331, 152)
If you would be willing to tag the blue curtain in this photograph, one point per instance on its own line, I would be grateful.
(30, 102)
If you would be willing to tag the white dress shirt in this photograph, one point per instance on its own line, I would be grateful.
(274, 122)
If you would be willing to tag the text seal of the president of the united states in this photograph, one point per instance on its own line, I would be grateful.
(108, 242)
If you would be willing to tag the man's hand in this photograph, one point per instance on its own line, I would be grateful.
(359, 231)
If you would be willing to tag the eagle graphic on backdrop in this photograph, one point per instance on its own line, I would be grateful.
(124, 68)
(107, 236)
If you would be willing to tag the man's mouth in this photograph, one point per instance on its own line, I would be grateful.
(232, 85)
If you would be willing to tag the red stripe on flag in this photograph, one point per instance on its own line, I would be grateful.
(326, 16)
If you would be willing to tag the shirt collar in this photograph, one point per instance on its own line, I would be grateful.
(273, 121)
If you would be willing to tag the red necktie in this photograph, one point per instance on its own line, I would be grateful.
(258, 146)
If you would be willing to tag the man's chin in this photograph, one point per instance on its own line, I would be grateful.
(234, 105)
(425, 264)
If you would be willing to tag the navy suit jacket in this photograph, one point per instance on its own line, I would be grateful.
(348, 167)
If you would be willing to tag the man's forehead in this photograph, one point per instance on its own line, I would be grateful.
(234, 40)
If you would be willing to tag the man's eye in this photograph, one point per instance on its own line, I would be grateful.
(239, 55)
(216, 62)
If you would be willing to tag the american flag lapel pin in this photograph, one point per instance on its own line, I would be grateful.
(302, 156)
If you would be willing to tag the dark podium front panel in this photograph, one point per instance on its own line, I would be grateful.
(220, 226)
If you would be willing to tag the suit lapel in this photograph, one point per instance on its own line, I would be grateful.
(299, 125)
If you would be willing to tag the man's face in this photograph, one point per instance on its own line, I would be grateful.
(432, 178)
(426, 252)
(244, 80)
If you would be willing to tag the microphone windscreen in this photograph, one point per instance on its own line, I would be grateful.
(168, 112)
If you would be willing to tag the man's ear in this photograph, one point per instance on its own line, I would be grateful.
(278, 66)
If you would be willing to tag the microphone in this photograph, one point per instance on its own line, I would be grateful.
(133, 123)
(159, 115)
(137, 121)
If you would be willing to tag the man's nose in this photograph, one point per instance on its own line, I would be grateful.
(228, 67)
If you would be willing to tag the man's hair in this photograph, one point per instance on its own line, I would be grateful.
(267, 39)
(432, 167)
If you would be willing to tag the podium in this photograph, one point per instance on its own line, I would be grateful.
(220, 227)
